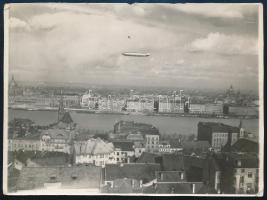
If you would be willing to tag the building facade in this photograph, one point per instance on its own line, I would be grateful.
(217, 134)
(152, 143)
(94, 151)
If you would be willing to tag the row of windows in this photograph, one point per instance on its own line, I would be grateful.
(249, 174)
(25, 145)
(152, 142)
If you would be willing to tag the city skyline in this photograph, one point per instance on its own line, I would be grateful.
(188, 46)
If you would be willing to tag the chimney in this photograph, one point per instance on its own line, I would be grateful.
(193, 188)
(141, 183)
(182, 175)
(132, 183)
(128, 159)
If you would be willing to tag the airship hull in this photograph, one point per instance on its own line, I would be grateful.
(136, 54)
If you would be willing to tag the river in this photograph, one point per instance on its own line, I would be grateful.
(105, 122)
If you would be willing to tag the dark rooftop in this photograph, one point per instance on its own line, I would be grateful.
(147, 157)
(217, 127)
(171, 162)
(130, 127)
(124, 145)
(174, 188)
(66, 118)
(69, 177)
(245, 145)
(138, 171)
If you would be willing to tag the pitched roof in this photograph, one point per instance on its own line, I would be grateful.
(48, 161)
(138, 171)
(171, 162)
(125, 185)
(124, 145)
(196, 144)
(219, 127)
(174, 188)
(247, 160)
(245, 145)
(57, 133)
(194, 161)
(147, 157)
(93, 147)
(69, 177)
(31, 136)
(135, 127)
(238, 160)
(66, 118)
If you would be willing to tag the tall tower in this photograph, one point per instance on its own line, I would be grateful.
(61, 110)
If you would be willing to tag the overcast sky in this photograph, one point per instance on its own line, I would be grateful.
(199, 46)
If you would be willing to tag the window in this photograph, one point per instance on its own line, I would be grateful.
(250, 175)
(242, 179)
(243, 170)
(53, 178)
(118, 153)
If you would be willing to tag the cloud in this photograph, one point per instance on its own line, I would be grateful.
(225, 44)
(84, 43)
(17, 23)
(227, 11)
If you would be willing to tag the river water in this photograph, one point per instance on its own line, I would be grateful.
(105, 122)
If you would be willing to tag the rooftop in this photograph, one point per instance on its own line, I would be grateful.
(66, 118)
(93, 147)
(138, 171)
(175, 188)
(147, 158)
(57, 133)
(129, 127)
(31, 136)
(217, 127)
(245, 145)
(124, 145)
(171, 162)
(70, 177)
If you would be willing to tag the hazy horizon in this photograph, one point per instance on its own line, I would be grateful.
(191, 45)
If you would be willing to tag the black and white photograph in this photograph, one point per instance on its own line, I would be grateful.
(133, 99)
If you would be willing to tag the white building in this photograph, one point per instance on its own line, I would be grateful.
(57, 140)
(94, 151)
(88, 100)
(24, 144)
(139, 148)
(152, 143)
(169, 147)
(123, 151)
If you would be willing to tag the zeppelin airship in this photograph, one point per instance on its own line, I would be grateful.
(135, 54)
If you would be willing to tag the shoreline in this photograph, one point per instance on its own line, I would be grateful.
(86, 111)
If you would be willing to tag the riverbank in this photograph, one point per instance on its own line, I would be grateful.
(105, 122)
(86, 111)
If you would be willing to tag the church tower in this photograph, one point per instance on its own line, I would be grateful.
(61, 110)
